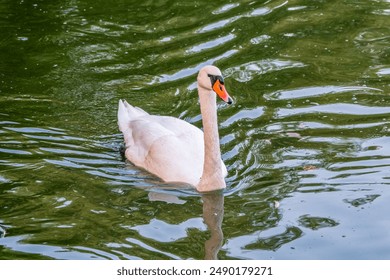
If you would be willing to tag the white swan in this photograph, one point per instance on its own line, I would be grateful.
(173, 149)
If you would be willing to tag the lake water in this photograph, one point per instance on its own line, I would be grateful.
(306, 143)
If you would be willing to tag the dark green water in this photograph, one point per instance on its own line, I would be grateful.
(306, 143)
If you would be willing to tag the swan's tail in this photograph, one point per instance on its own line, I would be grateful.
(127, 113)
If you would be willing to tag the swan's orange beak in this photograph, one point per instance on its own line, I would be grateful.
(220, 89)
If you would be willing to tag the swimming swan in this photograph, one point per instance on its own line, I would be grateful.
(173, 149)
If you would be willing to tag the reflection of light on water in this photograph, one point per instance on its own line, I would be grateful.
(2, 231)
(317, 92)
(383, 72)
(306, 142)
(20, 244)
(249, 71)
(184, 73)
(211, 44)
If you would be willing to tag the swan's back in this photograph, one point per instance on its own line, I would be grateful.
(166, 146)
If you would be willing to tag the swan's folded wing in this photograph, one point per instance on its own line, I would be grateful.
(128, 113)
(170, 148)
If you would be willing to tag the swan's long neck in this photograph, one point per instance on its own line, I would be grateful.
(212, 178)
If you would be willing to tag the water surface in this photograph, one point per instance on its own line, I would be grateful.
(306, 143)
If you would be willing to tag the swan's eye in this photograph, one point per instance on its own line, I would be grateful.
(215, 78)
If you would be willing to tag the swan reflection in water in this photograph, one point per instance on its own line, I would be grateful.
(213, 211)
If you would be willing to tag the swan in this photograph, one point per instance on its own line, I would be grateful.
(173, 149)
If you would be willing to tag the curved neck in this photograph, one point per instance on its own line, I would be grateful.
(212, 178)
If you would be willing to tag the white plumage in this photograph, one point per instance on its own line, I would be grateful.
(174, 149)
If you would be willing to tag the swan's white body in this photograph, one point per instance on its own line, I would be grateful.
(173, 149)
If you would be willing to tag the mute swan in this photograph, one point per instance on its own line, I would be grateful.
(173, 149)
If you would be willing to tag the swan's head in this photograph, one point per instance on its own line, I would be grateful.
(210, 78)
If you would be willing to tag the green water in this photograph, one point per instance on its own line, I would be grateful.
(306, 143)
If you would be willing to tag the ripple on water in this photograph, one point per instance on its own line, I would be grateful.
(318, 92)
(373, 42)
(211, 44)
(41, 251)
(162, 231)
(252, 12)
(190, 71)
(336, 108)
(308, 157)
(248, 71)
(55, 146)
